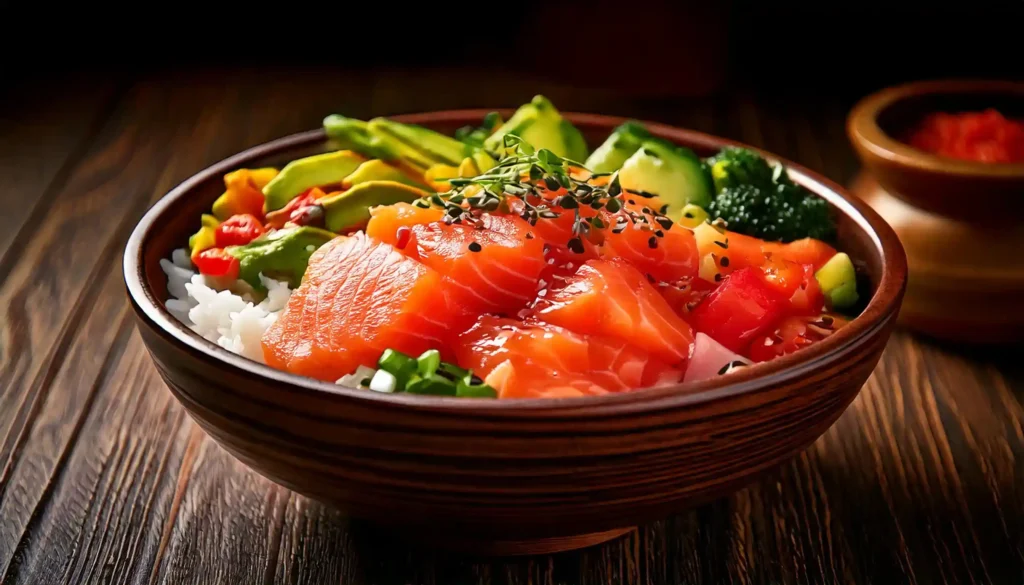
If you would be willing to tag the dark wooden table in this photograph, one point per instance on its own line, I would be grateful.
(104, 479)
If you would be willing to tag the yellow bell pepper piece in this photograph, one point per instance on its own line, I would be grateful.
(244, 192)
(205, 238)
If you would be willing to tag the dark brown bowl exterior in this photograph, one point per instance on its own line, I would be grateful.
(513, 476)
(955, 188)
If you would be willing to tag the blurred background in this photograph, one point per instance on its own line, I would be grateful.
(650, 49)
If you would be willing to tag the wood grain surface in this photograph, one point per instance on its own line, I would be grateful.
(104, 479)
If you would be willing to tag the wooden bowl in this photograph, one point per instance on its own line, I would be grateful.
(961, 222)
(514, 476)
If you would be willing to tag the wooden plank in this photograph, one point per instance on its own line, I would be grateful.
(220, 121)
(45, 128)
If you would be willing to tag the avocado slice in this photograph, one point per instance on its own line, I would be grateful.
(407, 145)
(673, 173)
(541, 125)
(436, 146)
(280, 254)
(838, 281)
(625, 140)
(378, 170)
(351, 208)
(308, 172)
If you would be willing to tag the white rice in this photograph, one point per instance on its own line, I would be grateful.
(225, 312)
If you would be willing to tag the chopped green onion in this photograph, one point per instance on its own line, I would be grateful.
(466, 390)
(383, 382)
(432, 384)
(401, 366)
(428, 362)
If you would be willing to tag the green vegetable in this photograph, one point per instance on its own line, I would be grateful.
(305, 173)
(412, 146)
(378, 170)
(673, 173)
(280, 254)
(734, 166)
(618, 147)
(838, 281)
(476, 136)
(541, 125)
(351, 208)
(760, 200)
(399, 365)
(427, 374)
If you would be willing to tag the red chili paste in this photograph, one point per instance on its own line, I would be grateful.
(985, 136)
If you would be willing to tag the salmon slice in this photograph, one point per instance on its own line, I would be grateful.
(666, 253)
(494, 266)
(745, 251)
(534, 359)
(358, 298)
(613, 299)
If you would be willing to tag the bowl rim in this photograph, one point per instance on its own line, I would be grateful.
(880, 310)
(864, 131)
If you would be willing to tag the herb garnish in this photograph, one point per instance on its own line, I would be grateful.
(543, 185)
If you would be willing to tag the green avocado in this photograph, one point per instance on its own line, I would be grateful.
(414, 147)
(351, 208)
(541, 125)
(378, 170)
(619, 146)
(673, 173)
(838, 281)
(281, 254)
(308, 172)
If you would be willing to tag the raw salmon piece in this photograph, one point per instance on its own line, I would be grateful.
(745, 251)
(494, 268)
(386, 221)
(611, 298)
(668, 257)
(358, 298)
(522, 359)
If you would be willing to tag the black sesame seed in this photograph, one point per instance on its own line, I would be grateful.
(725, 262)
(529, 235)
(718, 277)
(475, 247)
(576, 245)
(665, 223)
(659, 233)
(652, 242)
(724, 245)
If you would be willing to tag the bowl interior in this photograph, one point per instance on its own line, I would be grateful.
(167, 226)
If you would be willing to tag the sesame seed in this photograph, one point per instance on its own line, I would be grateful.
(475, 247)
(652, 242)
(725, 262)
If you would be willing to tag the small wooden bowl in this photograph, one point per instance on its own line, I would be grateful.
(961, 222)
(515, 476)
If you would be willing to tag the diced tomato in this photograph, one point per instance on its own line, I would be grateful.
(217, 262)
(238, 230)
(795, 282)
(792, 334)
(685, 295)
(743, 306)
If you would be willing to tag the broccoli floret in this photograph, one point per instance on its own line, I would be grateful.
(760, 200)
(734, 166)
(784, 214)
